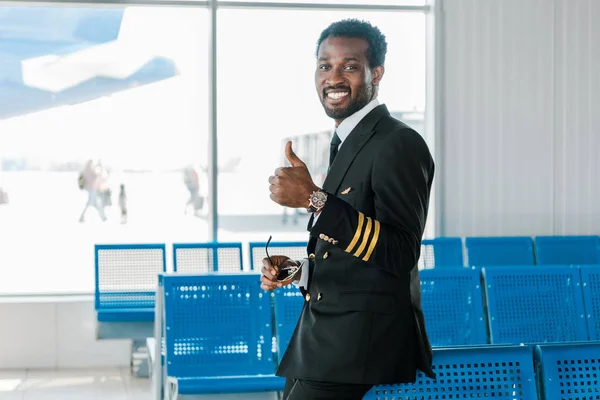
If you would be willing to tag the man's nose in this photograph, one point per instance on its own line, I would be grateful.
(334, 77)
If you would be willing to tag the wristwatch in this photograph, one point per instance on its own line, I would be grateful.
(316, 201)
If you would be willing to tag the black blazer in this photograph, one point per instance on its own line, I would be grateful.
(362, 320)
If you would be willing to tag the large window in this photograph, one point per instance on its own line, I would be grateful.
(119, 93)
(266, 95)
(93, 98)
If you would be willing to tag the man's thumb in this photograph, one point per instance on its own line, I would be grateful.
(292, 157)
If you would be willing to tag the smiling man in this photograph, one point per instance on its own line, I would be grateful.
(361, 323)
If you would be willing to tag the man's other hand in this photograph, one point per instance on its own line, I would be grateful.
(269, 272)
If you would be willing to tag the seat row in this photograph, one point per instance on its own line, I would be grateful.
(466, 306)
(554, 372)
(222, 334)
(514, 250)
(126, 274)
(494, 306)
(512, 304)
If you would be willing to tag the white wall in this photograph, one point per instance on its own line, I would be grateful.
(521, 117)
(58, 333)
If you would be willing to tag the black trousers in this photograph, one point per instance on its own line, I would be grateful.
(298, 389)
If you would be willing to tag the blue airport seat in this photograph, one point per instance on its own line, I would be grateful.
(452, 301)
(126, 278)
(199, 258)
(294, 250)
(590, 279)
(441, 252)
(534, 304)
(568, 371)
(498, 372)
(156, 345)
(218, 334)
(568, 250)
(490, 251)
(288, 306)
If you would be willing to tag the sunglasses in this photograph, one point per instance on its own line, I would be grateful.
(285, 273)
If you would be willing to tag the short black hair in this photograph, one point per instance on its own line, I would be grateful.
(354, 28)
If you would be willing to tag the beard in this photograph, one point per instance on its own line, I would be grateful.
(363, 97)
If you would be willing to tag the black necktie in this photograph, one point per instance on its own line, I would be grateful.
(333, 147)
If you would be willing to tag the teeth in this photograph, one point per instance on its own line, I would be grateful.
(336, 95)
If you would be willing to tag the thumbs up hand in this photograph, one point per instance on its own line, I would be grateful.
(292, 186)
(294, 160)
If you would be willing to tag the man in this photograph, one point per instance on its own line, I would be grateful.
(92, 179)
(192, 183)
(361, 323)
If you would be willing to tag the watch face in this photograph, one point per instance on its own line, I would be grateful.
(318, 200)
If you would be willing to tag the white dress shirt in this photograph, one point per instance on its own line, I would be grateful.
(343, 131)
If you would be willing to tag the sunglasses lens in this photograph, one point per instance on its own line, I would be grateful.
(287, 272)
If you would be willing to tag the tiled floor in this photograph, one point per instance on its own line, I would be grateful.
(92, 384)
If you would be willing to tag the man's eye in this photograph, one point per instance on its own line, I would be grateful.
(323, 66)
(350, 67)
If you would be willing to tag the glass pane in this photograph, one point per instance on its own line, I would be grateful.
(124, 87)
(267, 95)
(361, 2)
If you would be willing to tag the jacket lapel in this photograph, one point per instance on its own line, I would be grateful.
(351, 147)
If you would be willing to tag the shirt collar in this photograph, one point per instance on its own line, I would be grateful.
(346, 126)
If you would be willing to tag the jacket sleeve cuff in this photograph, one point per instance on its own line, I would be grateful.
(329, 216)
(303, 281)
(355, 232)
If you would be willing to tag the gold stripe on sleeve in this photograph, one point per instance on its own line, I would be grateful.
(365, 238)
(373, 241)
(361, 219)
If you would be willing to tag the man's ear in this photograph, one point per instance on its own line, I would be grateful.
(377, 74)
